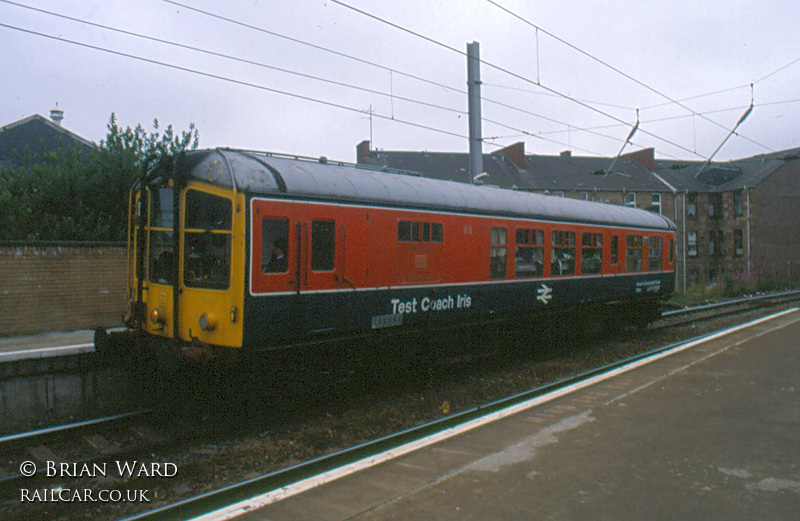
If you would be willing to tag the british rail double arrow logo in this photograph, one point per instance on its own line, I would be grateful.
(545, 293)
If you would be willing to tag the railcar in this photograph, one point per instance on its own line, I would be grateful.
(242, 250)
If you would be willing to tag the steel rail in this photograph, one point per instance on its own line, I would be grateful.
(220, 498)
(69, 426)
(726, 303)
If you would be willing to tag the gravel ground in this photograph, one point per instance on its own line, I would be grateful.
(220, 445)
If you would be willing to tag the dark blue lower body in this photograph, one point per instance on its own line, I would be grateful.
(285, 319)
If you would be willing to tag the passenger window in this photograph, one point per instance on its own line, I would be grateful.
(633, 253)
(562, 256)
(408, 231)
(614, 250)
(529, 253)
(323, 242)
(498, 253)
(274, 245)
(592, 253)
(655, 255)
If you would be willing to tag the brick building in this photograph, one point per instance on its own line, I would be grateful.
(739, 218)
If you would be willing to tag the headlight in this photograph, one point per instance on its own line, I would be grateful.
(208, 321)
(158, 316)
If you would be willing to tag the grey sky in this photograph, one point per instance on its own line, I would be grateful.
(682, 49)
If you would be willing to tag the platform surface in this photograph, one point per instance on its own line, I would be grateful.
(710, 432)
(44, 345)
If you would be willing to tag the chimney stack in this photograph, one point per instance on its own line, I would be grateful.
(57, 115)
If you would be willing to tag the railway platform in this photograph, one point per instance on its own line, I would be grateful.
(711, 431)
(45, 345)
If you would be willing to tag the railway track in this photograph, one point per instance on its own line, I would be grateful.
(274, 455)
(279, 479)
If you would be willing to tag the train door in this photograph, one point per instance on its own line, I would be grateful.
(154, 269)
(209, 288)
(297, 254)
(276, 248)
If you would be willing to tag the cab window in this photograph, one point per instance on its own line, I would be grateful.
(161, 259)
(207, 240)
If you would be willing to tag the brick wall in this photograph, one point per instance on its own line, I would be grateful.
(60, 286)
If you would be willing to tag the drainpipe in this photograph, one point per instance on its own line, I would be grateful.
(747, 191)
(683, 238)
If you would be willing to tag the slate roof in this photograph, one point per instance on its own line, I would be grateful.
(36, 135)
(540, 173)
(721, 177)
(580, 173)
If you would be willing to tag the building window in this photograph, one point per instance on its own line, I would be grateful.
(715, 206)
(633, 253)
(655, 255)
(529, 253)
(738, 203)
(630, 199)
(738, 242)
(715, 243)
(592, 253)
(691, 205)
(562, 258)
(498, 253)
(408, 231)
(691, 244)
(656, 203)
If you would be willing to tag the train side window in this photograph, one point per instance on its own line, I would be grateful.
(655, 255)
(529, 253)
(323, 243)
(614, 249)
(274, 245)
(671, 253)
(562, 256)
(633, 253)
(408, 231)
(592, 253)
(498, 254)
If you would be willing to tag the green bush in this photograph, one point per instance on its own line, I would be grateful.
(74, 195)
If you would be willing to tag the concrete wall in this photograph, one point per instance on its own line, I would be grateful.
(60, 286)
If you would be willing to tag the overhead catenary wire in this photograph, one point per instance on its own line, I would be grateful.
(367, 62)
(392, 71)
(237, 59)
(232, 80)
(618, 71)
(506, 71)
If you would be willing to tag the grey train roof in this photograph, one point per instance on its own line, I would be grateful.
(264, 174)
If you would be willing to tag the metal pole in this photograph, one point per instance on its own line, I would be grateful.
(474, 95)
